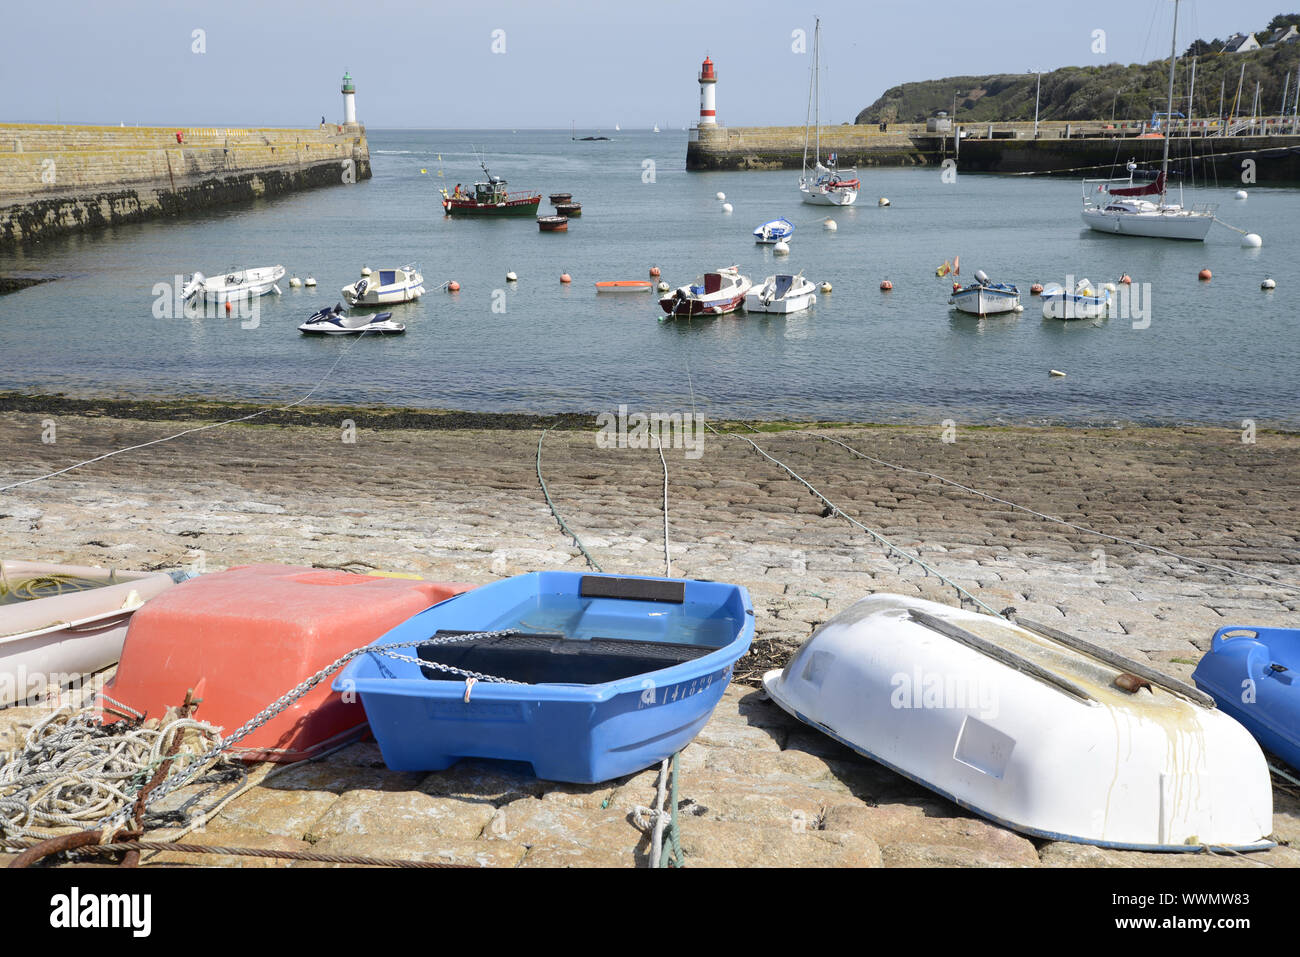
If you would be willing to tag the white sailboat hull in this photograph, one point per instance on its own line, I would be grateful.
(1150, 770)
(816, 196)
(1167, 222)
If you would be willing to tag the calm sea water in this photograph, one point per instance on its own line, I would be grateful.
(1214, 352)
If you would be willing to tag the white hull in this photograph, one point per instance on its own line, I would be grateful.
(1028, 732)
(985, 302)
(1058, 306)
(1167, 222)
(815, 196)
(60, 639)
(407, 286)
(236, 285)
(796, 297)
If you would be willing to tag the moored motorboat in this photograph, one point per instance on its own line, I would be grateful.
(490, 198)
(775, 231)
(713, 294)
(1030, 727)
(625, 285)
(337, 322)
(984, 297)
(241, 638)
(385, 287)
(236, 284)
(59, 623)
(553, 224)
(1251, 673)
(585, 677)
(1084, 302)
(781, 294)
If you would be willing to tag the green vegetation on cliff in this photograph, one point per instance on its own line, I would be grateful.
(1115, 91)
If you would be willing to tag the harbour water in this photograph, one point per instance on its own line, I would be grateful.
(1217, 352)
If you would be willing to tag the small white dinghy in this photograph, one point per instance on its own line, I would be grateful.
(241, 284)
(1085, 302)
(59, 623)
(1030, 727)
(336, 322)
(385, 287)
(781, 294)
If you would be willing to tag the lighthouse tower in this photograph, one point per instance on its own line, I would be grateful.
(349, 101)
(708, 105)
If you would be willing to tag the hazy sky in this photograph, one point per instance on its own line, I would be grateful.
(432, 64)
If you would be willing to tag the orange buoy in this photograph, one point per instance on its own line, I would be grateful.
(565, 277)
(654, 270)
(453, 286)
(1126, 279)
(1204, 275)
(227, 305)
(1036, 289)
(886, 285)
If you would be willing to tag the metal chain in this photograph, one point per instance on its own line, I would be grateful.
(284, 701)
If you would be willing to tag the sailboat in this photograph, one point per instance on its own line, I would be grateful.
(656, 129)
(1124, 210)
(827, 186)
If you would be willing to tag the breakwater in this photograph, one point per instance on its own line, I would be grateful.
(1085, 149)
(56, 179)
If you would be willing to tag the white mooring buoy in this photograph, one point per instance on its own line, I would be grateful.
(830, 225)
(1251, 241)
(511, 277)
(782, 248)
(1241, 194)
(882, 201)
(721, 196)
(726, 207)
(1268, 284)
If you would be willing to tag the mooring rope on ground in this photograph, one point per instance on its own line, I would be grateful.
(568, 531)
(890, 546)
(201, 428)
(668, 562)
(1052, 518)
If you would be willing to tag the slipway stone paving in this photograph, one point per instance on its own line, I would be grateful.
(757, 787)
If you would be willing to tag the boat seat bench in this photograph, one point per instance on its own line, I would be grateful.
(552, 658)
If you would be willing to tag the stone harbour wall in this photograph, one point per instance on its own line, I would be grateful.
(59, 179)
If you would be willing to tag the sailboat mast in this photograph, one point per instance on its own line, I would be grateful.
(817, 87)
(808, 115)
(1191, 92)
(1169, 117)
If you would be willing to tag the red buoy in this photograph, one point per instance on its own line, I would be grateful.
(886, 285)
(654, 270)
(227, 305)
(453, 286)
(1036, 289)
(1204, 275)
(1126, 279)
(566, 278)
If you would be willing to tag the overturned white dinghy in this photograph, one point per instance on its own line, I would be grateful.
(1031, 728)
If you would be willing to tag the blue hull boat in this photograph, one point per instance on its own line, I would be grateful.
(1253, 674)
(585, 677)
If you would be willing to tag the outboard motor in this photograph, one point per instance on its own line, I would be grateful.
(362, 286)
(982, 277)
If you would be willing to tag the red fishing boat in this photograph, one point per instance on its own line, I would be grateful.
(490, 198)
(713, 294)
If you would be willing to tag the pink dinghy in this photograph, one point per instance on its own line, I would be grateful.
(241, 638)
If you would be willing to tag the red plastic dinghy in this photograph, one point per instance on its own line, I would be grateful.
(243, 637)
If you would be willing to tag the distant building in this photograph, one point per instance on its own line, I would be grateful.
(941, 122)
(1240, 43)
(1287, 34)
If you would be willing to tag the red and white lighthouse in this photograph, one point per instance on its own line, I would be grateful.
(708, 105)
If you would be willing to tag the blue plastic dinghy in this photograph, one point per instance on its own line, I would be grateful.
(586, 677)
(1253, 674)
